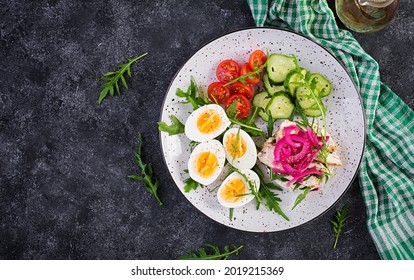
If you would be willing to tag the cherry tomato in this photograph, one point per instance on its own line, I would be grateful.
(218, 93)
(253, 79)
(242, 107)
(257, 59)
(243, 89)
(227, 71)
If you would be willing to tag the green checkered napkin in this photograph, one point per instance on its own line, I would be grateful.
(387, 169)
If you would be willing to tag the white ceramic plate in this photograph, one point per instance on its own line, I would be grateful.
(345, 121)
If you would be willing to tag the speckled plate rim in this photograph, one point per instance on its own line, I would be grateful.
(360, 102)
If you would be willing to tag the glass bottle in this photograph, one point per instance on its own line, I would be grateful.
(366, 15)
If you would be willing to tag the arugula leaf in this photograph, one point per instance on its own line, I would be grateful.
(276, 176)
(301, 197)
(192, 95)
(272, 201)
(340, 216)
(253, 130)
(176, 128)
(235, 146)
(299, 110)
(270, 124)
(190, 185)
(212, 254)
(232, 110)
(193, 144)
(146, 170)
(112, 79)
(251, 74)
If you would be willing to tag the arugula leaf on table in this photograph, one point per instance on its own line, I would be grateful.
(176, 128)
(301, 197)
(146, 170)
(192, 95)
(112, 79)
(340, 216)
(213, 254)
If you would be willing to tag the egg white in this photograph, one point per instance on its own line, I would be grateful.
(193, 133)
(246, 161)
(213, 146)
(251, 176)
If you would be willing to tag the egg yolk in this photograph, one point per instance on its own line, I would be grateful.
(209, 121)
(232, 189)
(235, 146)
(206, 163)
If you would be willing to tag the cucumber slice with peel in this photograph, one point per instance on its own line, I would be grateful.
(280, 106)
(323, 86)
(293, 80)
(278, 66)
(270, 88)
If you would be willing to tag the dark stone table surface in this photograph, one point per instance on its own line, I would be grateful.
(64, 191)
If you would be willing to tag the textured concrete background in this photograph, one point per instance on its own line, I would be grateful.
(64, 159)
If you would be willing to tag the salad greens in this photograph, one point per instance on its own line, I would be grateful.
(242, 78)
(192, 95)
(190, 184)
(112, 79)
(146, 170)
(211, 252)
(301, 197)
(271, 202)
(176, 128)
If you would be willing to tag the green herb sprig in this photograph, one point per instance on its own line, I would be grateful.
(301, 197)
(250, 75)
(176, 127)
(146, 170)
(268, 198)
(340, 217)
(190, 184)
(192, 95)
(112, 79)
(213, 254)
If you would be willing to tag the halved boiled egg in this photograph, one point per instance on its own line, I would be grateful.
(240, 149)
(206, 162)
(206, 123)
(235, 191)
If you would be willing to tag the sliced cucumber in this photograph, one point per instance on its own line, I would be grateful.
(304, 97)
(278, 66)
(263, 115)
(304, 72)
(293, 80)
(271, 89)
(323, 86)
(280, 106)
(312, 112)
(261, 100)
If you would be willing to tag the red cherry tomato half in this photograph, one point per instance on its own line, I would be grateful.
(227, 71)
(257, 59)
(254, 78)
(243, 89)
(218, 93)
(242, 107)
